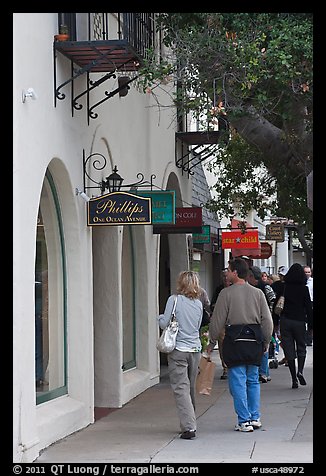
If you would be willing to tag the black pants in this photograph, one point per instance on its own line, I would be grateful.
(293, 338)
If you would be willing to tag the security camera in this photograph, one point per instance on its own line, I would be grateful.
(30, 93)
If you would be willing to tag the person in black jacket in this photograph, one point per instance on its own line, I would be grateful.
(255, 279)
(297, 311)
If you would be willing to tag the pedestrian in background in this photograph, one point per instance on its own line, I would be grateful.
(225, 283)
(278, 287)
(203, 297)
(310, 284)
(244, 305)
(296, 312)
(183, 361)
(255, 279)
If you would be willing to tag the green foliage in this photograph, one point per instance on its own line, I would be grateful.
(253, 64)
(244, 180)
(204, 337)
(260, 57)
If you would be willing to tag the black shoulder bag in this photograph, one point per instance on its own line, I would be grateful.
(206, 319)
(243, 344)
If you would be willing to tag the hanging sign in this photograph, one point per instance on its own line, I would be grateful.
(188, 220)
(236, 239)
(204, 237)
(275, 231)
(119, 208)
(266, 251)
(163, 205)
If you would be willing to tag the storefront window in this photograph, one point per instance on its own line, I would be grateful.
(128, 302)
(50, 302)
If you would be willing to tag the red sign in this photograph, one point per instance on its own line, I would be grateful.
(236, 239)
(187, 220)
(265, 251)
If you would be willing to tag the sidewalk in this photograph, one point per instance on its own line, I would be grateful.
(146, 429)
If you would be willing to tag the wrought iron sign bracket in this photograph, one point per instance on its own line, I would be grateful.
(98, 162)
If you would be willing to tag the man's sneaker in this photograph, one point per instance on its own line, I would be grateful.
(255, 424)
(246, 426)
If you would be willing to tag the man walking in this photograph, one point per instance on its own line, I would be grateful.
(243, 311)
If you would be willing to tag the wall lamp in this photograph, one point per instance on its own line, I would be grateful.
(30, 93)
(112, 183)
(82, 194)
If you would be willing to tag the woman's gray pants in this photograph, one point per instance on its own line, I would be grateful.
(183, 370)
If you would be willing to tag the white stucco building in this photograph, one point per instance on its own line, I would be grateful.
(85, 298)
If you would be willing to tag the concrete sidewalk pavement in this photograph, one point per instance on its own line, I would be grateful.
(146, 429)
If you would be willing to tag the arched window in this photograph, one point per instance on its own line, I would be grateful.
(128, 301)
(50, 297)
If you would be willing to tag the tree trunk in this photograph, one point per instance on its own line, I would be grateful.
(270, 140)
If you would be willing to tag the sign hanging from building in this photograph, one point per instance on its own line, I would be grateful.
(163, 205)
(187, 220)
(119, 208)
(204, 237)
(275, 231)
(265, 251)
(237, 239)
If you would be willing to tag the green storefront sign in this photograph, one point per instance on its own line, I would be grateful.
(204, 237)
(163, 205)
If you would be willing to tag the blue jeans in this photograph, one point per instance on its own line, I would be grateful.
(245, 389)
(264, 368)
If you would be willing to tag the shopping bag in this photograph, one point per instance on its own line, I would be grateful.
(205, 377)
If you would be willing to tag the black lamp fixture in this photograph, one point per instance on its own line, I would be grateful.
(113, 182)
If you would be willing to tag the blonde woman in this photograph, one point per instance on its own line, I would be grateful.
(183, 361)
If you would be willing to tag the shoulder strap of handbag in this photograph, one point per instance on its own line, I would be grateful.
(174, 306)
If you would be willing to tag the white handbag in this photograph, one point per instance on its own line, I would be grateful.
(167, 340)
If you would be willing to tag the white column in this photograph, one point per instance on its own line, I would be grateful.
(282, 251)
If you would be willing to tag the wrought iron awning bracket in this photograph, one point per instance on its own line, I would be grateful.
(94, 84)
(195, 154)
(180, 163)
(108, 96)
(189, 152)
(78, 72)
(202, 157)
